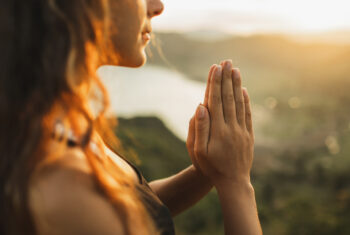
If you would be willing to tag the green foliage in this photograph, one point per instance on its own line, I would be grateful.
(162, 154)
(154, 145)
(309, 193)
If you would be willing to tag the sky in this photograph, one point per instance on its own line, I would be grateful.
(254, 16)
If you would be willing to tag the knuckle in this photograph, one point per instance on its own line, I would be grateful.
(227, 74)
(237, 81)
(247, 138)
(217, 80)
(222, 133)
(239, 102)
(216, 99)
(228, 97)
(202, 127)
(198, 151)
(199, 124)
(239, 131)
(240, 99)
(249, 114)
(233, 125)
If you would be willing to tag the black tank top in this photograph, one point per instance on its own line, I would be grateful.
(158, 211)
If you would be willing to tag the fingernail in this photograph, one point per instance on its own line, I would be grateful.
(218, 69)
(236, 73)
(245, 91)
(201, 112)
(228, 65)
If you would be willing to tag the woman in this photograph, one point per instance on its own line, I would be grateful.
(58, 173)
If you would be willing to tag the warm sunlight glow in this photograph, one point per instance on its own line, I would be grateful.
(250, 16)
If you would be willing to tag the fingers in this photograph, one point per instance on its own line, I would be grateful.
(215, 101)
(239, 100)
(202, 126)
(248, 113)
(191, 137)
(227, 93)
(206, 97)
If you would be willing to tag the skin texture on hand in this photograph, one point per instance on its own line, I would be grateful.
(220, 143)
(191, 130)
(221, 146)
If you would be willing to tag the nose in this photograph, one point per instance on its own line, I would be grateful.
(155, 8)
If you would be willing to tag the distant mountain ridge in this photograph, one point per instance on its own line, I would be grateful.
(329, 37)
(332, 37)
(269, 57)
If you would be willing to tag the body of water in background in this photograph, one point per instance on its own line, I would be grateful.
(153, 91)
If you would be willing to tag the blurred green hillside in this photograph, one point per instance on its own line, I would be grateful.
(301, 192)
(162, 154)
(301, 110)
(269, 63)
(299, 90)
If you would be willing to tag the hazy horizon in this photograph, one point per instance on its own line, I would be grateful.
(331, 37)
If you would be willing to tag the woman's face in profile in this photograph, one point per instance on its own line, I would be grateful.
(131, 27)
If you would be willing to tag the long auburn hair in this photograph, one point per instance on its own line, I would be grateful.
(49, 50)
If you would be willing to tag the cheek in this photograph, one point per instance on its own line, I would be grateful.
(130, 50)
(126, 28)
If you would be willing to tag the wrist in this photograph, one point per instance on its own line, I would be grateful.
(238, 185)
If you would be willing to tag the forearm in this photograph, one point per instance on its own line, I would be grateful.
(239, 209)
(181, 191)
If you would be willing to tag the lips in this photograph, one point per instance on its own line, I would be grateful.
(146, 32)
(146, 36)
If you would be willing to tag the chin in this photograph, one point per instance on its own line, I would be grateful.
(138, 63)
(137, 60)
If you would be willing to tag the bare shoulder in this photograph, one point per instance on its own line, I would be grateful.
(64, 200)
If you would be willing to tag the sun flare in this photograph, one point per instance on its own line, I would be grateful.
(252, 16)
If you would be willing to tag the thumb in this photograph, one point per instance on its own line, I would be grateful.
(202, 126)
(191, 137)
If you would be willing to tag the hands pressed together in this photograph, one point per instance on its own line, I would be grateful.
(220, 140)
